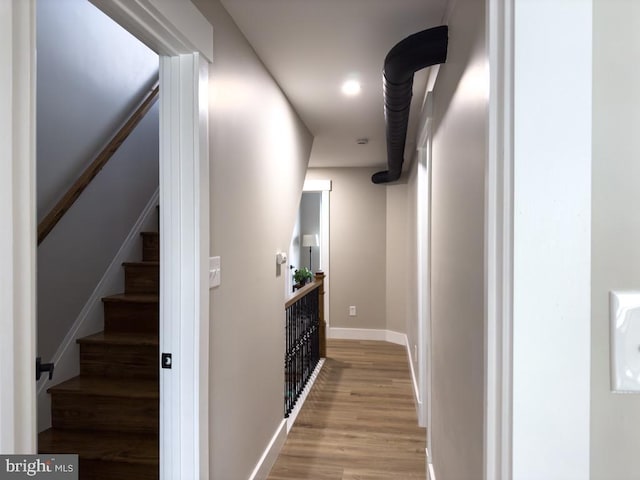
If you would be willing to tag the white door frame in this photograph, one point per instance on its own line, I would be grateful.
(498, 365)
(183, 38)
(18, 422)
(324, 188)
(423, 212)
(537, 240)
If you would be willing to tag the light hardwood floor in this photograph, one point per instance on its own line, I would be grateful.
(359, 420)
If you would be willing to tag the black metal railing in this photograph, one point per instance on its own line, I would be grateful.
(302, 352)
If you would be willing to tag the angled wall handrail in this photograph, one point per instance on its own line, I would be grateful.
(68, 199)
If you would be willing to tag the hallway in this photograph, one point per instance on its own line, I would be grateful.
(359, 420)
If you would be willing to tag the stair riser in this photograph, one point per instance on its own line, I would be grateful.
(120, 317)
(119, 361)
(141, 279)
(106, 470)
(95, 413)
(150, 247)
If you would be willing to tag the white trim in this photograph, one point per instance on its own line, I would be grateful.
(270, 454)
(324, 187)
(91, 317)
(167, 27)
(499, 245)
(423, 242)
(316, 185)
(184, 312)
(303, 396)
(414, 380)
(182, 32)
(367, 334)
(18, 227)
(431, 473)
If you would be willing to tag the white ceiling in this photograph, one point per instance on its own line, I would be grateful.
(311, 46)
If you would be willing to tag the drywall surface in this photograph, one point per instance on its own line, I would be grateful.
(397, 258)
(90, 75)
(259, 153)
(358, 247)
(615, 226)
(457, 255)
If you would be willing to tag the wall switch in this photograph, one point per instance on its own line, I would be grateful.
(214, 272)
(415, 353)
(352, 311)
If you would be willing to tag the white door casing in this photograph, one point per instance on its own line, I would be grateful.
(18, 432)
(324, 187)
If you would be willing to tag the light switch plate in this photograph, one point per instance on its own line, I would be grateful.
(214, 272)
(625, 341)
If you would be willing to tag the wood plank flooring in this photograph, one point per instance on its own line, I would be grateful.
(359, 420)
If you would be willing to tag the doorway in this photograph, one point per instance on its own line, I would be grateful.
(184, 40)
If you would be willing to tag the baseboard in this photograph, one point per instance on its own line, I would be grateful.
(270, 454)
(414, 380)
(303, 396)
(367, 334)
(431, 474)
(91, 318)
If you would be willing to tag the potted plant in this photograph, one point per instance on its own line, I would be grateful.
(302, 276)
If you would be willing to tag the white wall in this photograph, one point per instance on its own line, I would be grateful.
(259, 153)
(457, 255)
(91, 73)
(615, 226)
(358, 247)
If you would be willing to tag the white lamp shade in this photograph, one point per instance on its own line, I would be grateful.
(310, 241)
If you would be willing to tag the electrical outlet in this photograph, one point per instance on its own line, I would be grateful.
(352, 311)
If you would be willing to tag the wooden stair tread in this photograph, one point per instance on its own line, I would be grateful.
(151, 234)
(144, 263)
(146, 339)
(109, 387)
(105, 446)
(132, 298)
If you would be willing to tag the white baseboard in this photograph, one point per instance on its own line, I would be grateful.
(270, 454)
(416, 389)
(367, 334)
(303, 396)
(90, 320)
(431, 474)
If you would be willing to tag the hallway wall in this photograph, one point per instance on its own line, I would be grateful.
(259, 152)
(457, 247)
(358, 247)
(397, 258)
(616, 228)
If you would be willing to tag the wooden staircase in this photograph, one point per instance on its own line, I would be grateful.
(109, 414)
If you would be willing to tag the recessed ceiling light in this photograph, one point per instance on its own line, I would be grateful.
(351, 87)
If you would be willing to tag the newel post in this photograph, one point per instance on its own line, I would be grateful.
(321, 323)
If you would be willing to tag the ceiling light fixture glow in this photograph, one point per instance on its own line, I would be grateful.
(351, 87)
